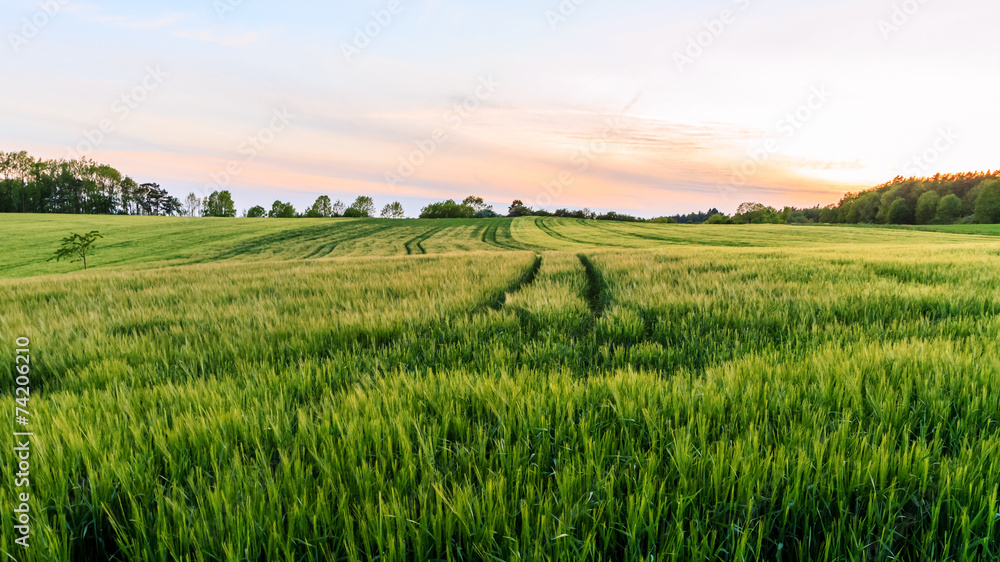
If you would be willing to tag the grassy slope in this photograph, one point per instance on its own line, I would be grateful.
(160, 241)
(675, 393)
(975, 229)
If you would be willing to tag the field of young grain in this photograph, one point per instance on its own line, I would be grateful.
(150, 242)
(527, 389)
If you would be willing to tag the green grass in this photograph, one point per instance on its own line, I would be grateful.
(150, 242)
(528, 389)
(167, 241)
(976, 229)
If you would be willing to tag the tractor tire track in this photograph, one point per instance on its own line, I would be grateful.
(415, 246)
(597, 290)
(356, 232)
(490, 235)
(540, 222)
(500, 299)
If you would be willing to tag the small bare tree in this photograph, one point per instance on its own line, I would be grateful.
(76, 247)
(192, 205)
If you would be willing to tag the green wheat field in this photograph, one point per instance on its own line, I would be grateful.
(505, 389)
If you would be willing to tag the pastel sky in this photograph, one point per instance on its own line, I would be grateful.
(640, 106)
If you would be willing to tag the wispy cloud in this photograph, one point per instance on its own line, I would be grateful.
(221, 36)
(132, 22)
(670, 147)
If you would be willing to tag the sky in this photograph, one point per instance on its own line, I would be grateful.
(646, 107)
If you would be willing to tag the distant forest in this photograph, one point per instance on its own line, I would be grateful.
(943, 199)
(30, 185)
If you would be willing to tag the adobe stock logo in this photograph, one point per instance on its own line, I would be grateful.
(582, 160)
(901, 15)
(224, 7)
(787, 127)
(565, 10)
(454, 118)
(703, 40)
(122, 108)
(922, 164)
(31, 27)
(250, 148)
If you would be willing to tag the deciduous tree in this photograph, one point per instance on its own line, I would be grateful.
(76, 247)
(280, 210)
(365, 206)
(192, 205)
(219, 204)
(988, 204)
(449, 209)
(927, 206)
(393, 210)
(900, 213)
(518, 209)
(322, 208)
(949, 209)
(476, 203)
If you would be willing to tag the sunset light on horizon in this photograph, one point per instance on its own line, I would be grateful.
(552, 280)
(650, 108)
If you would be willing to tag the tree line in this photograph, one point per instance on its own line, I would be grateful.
(35, 185)
(475, 207)
(943, 199)
(30, 185)
(969, 198)
(220, 204)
